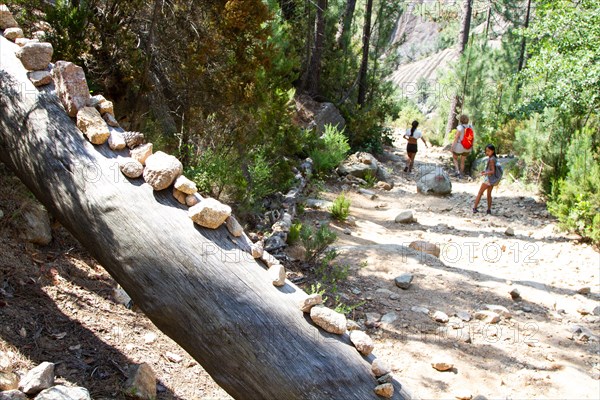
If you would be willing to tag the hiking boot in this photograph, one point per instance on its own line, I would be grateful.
(489, 212)
(405, 169)
(475, 211)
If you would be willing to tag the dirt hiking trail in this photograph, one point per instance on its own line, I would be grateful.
(58, 305)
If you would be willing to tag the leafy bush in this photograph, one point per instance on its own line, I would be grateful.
(575, 200)
(340, 209)
(315, 242)
(330, 150)
(294, 233)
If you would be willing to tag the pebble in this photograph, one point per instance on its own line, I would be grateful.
(440, 316)
(442, 364)
(385, 390)
(403, 281)
(380, 368)
(363, 342)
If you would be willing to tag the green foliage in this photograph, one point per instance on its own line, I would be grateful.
(315, 242)
(69, 29)
(330, 150)
(370, 178)
(316, 288)
(575, 200)
(331, 273)
(344, 308)
(340, 209)
(294, 234)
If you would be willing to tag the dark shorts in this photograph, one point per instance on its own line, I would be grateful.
(411, 148)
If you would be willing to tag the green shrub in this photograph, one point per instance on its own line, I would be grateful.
(294, 233)
(575, 200)
(340, 209)
(330, 150)
(315, 242)
(370, 178)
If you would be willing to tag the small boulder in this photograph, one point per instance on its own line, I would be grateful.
(185, 185)
(363, 342)
(161, 170)
(328, 319)
(403, 281)
(13, 395)
(38, 379)
(130, 167)
(515, 294)
(6, 18)
(40, 78)
(385, 390)
(277, 274)
(116, 141)
(61, 392)
(13, 34)
(435, 182)
(359, 165)
(405, 217)
(311, 301)
(92, 125)
(380, 368)
(440, 316)
(509, 231)
(141, 383)
(209, 213)
(233, 226)
(71, 85)
(426, 247)
(141, 153)
(179, 196)
(35, 56)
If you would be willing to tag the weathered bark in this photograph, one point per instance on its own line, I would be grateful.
(194, 284)
(523, 40)
(463, 40)
(362, 74)
(312, 82)
(342, 36)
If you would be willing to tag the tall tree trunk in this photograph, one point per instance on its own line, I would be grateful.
(526, 25)
(312, 82)
(362, 74)
(345, 24)
(288, 9)
(196, 285)
(463, 40)
(488, 19)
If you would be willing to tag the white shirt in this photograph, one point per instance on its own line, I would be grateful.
(416, 135)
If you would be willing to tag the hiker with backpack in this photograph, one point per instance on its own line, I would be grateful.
(462, 145)
(412, 135)
(493, 173)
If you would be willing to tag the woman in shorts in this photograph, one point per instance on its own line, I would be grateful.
(491, 178)
(412, 135)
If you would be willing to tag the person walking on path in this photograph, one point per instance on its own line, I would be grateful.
(492, 177)
(458, 148)
(412, 135)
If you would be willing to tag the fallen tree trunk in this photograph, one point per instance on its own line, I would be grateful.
(195, 284)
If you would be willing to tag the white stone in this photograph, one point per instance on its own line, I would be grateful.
(130, 167)
(363, 342)
(150, 338)
(92, 125)
(185, 185)
(61, 392)
(277, 274)
(405, 217)
(311, 301)
(440, 316)
(161, 170)
(257, 249)
(38, 379)
(379, 367)
(116, 141)
(13, 395)
(209, 213)
(328, 319)
(141, 153)
(13, 34)
(489, 317)
(176, 358)
(503, 311)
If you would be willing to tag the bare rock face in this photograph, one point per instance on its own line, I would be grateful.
(6, 18)
(141, 383)
(130, 167)
(92, 125)
(209, 213)
(71, 86)
(328, 319)
(161, 170)
(35, 56)
(40, 78)
(363, 342)
(38, 379)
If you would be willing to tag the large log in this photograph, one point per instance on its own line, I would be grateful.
(195, 284)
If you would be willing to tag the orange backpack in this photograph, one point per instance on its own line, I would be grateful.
(467, 140)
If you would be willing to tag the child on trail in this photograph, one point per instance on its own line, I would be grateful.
(492, 177)
(459, 152)
(412, 135)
